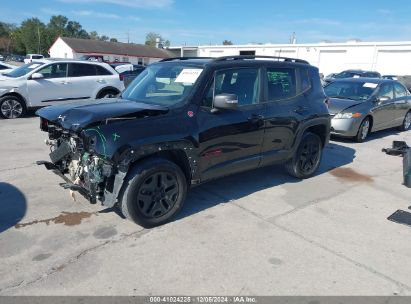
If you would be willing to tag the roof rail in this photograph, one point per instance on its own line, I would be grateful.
(183, 58)
(242, 57)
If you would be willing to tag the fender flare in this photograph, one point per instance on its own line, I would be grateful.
(109, 88)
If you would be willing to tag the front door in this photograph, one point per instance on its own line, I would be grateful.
(230, 140)
(383, 112)
(53, 88)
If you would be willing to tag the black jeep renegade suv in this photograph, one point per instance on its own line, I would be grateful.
(184, 121)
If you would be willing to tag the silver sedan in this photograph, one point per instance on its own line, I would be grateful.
(359, 106)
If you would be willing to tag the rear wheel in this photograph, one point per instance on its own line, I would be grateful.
(406, 123)
(363, 130)
(107, 94)
(307, 158)
(154, 192)
(12, 107)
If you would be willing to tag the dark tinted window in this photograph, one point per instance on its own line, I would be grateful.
(400, 91)
(81, 70)
(3, 67)
(102, 71)
(37, 57)
(57, 70)
(281, 83)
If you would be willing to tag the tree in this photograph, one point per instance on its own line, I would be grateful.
(75, 30)
(104, 38)
(227, 42)
(151, 40)
(93, 35)
(113, 40)
(31, 36)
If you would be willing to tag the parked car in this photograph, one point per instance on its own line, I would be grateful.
(49, 82)
(351, 74)
(391, 77)
(32, 57)
(5, 67)
(1, 58)
(18, 58)
(187, 121)
(364, 105)
(128, 72)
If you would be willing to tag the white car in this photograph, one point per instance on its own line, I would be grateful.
(5, 68)
(32, 57)
(52, 82)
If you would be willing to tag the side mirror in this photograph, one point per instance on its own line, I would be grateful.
(37, 76)
(225, 101)
(382, 99)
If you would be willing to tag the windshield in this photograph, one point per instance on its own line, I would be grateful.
(163, 84)
(24, 69)
(350, 90)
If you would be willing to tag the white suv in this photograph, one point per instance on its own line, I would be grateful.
(32, 57)
(51, 82)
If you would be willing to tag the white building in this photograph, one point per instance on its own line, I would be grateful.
(385, 57)
(74, 48)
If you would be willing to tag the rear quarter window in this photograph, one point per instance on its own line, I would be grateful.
(102, 71)
(281, 83)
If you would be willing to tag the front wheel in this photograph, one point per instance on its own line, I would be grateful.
(12, 107)
(307, 158)
(155, 191)
(363, 130)
(406, 123)
(107, 94)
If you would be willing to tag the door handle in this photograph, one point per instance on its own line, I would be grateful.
(64, 82)
(301, 110)
(101, 81)
(256, 118)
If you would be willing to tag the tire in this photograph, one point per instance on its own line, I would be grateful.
(406, 123)
(12, 107)
(147, 199)
(107, 94)
(301, 167)
(363, 130)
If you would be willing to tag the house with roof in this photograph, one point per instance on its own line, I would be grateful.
(75, 48)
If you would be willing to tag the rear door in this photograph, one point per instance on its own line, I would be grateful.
(287, 106)
(53, 88)
(402, 103)
(230, 140)
(84, 80)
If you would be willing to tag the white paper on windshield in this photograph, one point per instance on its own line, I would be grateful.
(370, 85)
(33, 66)
(188, 75)
(356, 76)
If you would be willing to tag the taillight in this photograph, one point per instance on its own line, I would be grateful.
(121, 77)
(44, 124)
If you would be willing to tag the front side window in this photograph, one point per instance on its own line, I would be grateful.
(281, 83)
(57, 70)
(163, 84)
(400, 91)
(386, 90)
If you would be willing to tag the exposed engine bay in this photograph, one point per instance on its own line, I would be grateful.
(85, 172)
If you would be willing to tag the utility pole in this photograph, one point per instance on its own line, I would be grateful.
(128, 36)
(38, 46)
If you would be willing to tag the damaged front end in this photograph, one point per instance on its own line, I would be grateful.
(73, 159)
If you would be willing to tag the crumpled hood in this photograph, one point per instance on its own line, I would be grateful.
(78, 115)
(337, 105)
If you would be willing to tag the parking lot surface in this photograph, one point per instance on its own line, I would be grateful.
(255, 233)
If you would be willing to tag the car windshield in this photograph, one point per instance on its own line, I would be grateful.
(163, 84)
(24, 69)
(350, 90)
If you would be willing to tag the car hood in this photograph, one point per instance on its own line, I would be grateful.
(79, 115)
(336, 105)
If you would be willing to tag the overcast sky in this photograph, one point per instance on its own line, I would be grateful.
(194, 22)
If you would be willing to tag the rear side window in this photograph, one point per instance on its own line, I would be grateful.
(102, 71)
(305, 80)
(37, 57)
(400, 91)
(2, 67)
(82, 70)
(282, 83)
